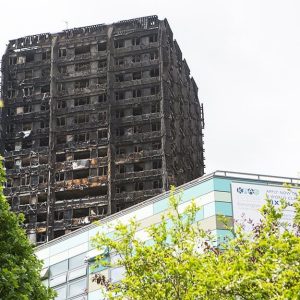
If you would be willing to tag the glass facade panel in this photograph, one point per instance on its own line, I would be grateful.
(78, 287)
(58, 280)
(77, 273)
(61, 293)
(77, 261)
(59, 268)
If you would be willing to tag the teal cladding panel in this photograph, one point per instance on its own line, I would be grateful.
(223, 185)
(223, 235)
(160, 206)
(224, 208)
(189, 194)
(198, 190)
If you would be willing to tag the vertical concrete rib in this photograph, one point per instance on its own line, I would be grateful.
(52, 137)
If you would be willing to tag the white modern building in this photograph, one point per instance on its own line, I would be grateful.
(68, 259)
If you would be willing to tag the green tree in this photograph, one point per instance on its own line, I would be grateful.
(19, 267)
(181, 262)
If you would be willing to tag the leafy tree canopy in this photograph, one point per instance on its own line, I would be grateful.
(181, 261)
(19, 267)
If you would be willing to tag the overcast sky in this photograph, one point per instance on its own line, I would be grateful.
(244, 56)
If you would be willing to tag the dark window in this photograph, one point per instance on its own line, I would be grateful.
(9, 164)
(122, 168)
(102, 98)
(102, 134)
(119, 44)
(60, 157)
(44, 106)
(61, 104)
(61, 139)
(25, 180)
(102, 46)
(82, 84)
(44, 142)
(45, 89)
(102, 64)
(154, 72)
(138, 167)
(136, 75)
(27, 108)
(10, 111)
(42, 179)
(102, 152)
(139, 186)
(80, 119)
(102, 171)
(41, 237)
(102, 117)
(28, 74)
(153, 55)
(46, 55)
(119, 113)
(120, 151)
(156, 164)
(11, 94)
(78, 174)
(28, 91)
(120, 189)
(62, 52)
(58, 233)
(136, 58)
(120, 95)
(62, 69)
(12, 60)
(81, 101)
(82, 155)
(61, 121)
(136, 93)
(157, 184)
(135, 41)
(138, 148)
(137, 110)
(155, 107)
(82, 67)
(59, 176)
(10, 128)
(61, 87)
(41, 217)
(154, 90)
(119, 77)
(82, 50)
(120, 131)
(9, 146)
(119, 61)
(153, 38)
(29, 57)
(101, 80)
(155, 127)
(81, 137)
(45, 72)
(44, 124)
(137, 129)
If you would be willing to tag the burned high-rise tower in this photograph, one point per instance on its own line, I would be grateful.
(96, 119)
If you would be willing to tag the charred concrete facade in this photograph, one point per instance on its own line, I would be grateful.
(96, 119)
